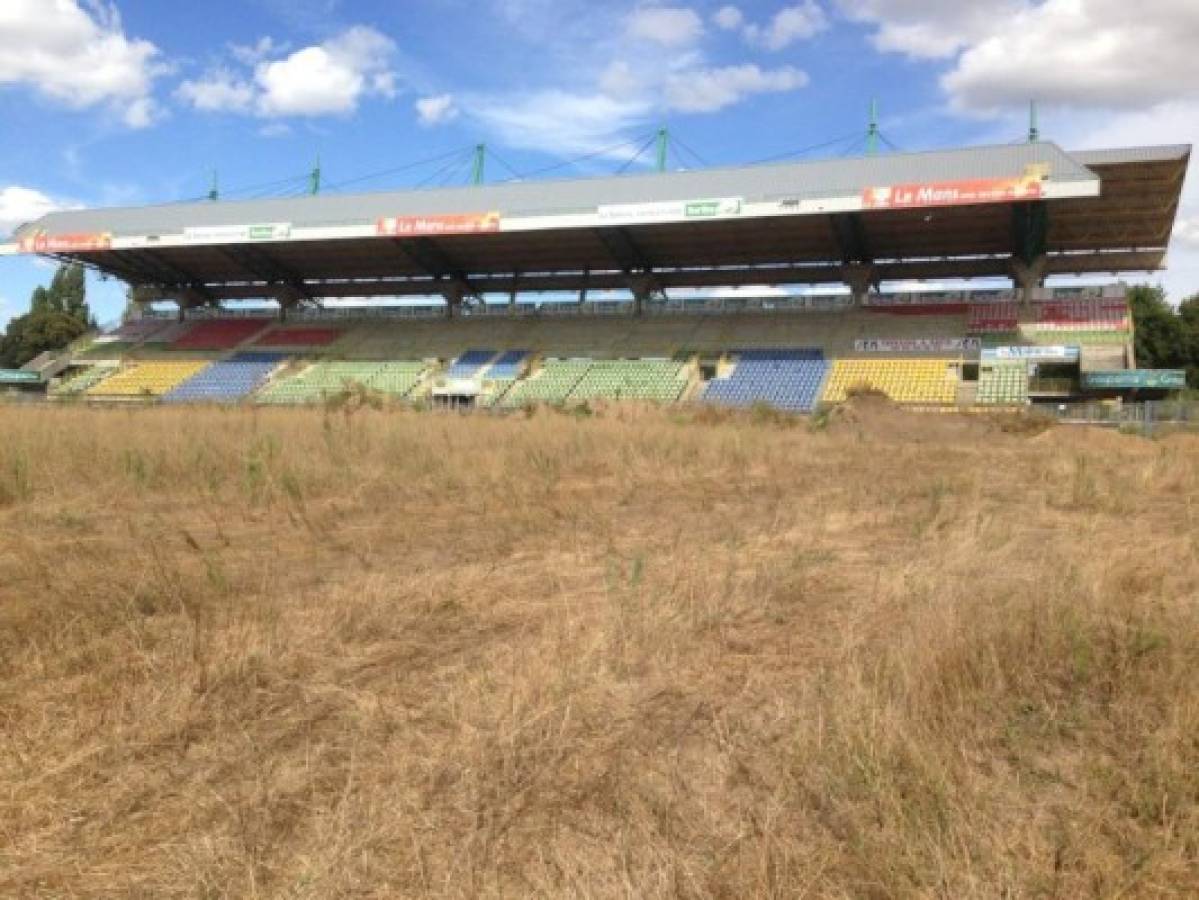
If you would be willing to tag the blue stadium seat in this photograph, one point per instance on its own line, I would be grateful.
(509, 365)
(469, 363)
(227, 380)
(788, 380)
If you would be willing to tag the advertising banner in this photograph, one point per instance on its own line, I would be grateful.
(952, 193)
(1127, 379)
(916, 345)
(40, 242)
(18, 376)
(670, 210)
(458, 223)
(1033, 354)
(219, 234)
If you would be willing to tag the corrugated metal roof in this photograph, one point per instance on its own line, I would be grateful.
(825, 178)
(1127, 155)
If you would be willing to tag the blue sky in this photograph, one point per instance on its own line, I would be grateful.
(138, 101)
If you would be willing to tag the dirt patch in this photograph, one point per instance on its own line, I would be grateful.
(871, 415)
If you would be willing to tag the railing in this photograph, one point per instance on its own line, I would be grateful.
(1147, 413)
(674, 306)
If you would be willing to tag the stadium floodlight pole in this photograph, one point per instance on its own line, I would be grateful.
(663, 148)
(872, 130)
(315, 185)
(478, 172)
(1034, 132)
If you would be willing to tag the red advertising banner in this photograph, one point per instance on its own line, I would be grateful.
(40, 242)
(464, 223)
(952, 193)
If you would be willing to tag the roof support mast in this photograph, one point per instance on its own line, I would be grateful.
(872, 130)
(214, 193)
(478, 171)
(1034, 132)
(663, 148)
(314, 185)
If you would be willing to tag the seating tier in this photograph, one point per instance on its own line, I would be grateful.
(924, 381)
(218, 334)
(148, 379)
(1003, 384)
(227, 380)
(630, 379)
(326, 379)
(785, 379)
(81, 382)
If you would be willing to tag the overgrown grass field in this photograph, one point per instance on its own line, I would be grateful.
(309, 654)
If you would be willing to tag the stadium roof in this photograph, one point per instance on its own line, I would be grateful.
(949, 213)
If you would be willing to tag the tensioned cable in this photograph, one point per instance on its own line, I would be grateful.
(804, 151)
(493, 155)
(603, 151)
(453, 164)
(396, 170)
(637, 156)
(676, 140)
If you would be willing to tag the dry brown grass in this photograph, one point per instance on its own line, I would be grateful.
(296, 654)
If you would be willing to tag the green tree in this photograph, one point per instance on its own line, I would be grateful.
(1160, 334)
(1188, 311)
(57, 315)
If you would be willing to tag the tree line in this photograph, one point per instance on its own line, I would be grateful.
(57, 315)
(1166, 338)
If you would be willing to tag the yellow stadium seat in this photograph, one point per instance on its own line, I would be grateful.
(922, 381)
(148, 379)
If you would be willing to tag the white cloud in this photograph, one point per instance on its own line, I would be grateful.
(326, 79)
(613, 86)
(307, 83)
(670, 26)
(931, 29)
(19, 205)
(220, 90)
(252, 54)
(436, 110)
(329, 79)
(1096, 53)
(618, 80)
(728, 18)
(709, 90)
(790, 24)
(78, 56)
(564, 122)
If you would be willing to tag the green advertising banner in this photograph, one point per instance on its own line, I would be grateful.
(1154, 379)
(18, 376)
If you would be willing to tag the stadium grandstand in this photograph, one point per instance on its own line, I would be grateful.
(772, 284)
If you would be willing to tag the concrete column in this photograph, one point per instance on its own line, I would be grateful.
(859, 277)
(583, 289)
(453, 297)
(1028, 277)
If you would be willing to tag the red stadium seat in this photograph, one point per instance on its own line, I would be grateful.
(218, 334)
(299, 337)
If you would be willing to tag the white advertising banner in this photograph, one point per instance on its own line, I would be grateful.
(670, 211)
(1033, 354)
(220, 234)
(917, 345)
